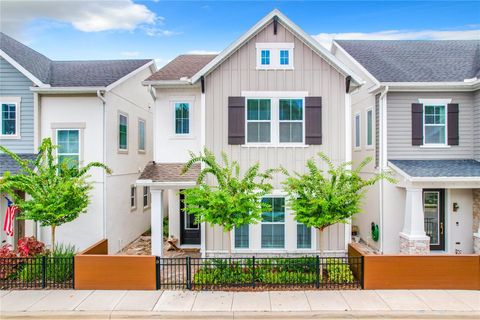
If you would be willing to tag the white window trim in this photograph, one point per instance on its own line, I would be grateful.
(191, 110)
(57, 128)
(17, 102)
(134, 207)
(369, 146)
(435, 102)
(284, 223)
(120, 150)
(274, 48)
(355, 147)
(275, 97)
(149, 199)
(144, 135)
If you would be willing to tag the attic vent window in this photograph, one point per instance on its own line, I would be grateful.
(274, 56)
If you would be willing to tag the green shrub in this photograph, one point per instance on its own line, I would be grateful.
(339, 272)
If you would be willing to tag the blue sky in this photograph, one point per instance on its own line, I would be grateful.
(69, 30)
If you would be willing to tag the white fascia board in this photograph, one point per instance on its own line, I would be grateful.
(24, 71)
(167, 83)
(355, 62)
(306, 38)
(131, 74)
(432, 86)
(166, 185)
(66, 90)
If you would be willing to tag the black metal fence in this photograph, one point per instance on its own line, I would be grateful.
(260, 273)
(36, 273)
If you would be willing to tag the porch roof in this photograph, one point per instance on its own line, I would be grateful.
(169, 172)
(10, 165)
(467, 168)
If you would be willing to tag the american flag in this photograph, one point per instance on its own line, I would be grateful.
(9, 218)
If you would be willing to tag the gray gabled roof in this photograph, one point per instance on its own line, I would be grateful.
(8, 164)
(169, 172)
(93, 73)
(417, 60)
(439, 168)
(185, 65)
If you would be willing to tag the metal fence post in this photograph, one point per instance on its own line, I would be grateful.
(362, 277)
(157, 272)
(189, 273)
(253, 271)
(317, 272)
(44, 272)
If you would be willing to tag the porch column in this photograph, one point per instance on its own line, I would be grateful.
(156, 222)
(413, 239)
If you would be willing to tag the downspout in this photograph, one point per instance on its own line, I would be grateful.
(383, 155)
(203, 119)
(348, 147)
(104, 202)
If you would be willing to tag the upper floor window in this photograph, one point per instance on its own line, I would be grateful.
(141, 135)
(68, 141)
(370, 127)
(9, 117)
(122, 132)
(435, 124)
(265, 59)
(291, 120)
(275, 55)
(182, 118)
(258, 120)
(357, 131)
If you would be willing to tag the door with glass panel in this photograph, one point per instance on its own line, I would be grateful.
(189, 230)
(434, 217)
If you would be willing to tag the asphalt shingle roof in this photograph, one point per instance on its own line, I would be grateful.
(439, 168)
(169, 172)
(96, 73)
(417, 60)
(8, 164)
(185, 65)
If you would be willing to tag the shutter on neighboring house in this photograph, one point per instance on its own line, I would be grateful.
(453, 135)
(236, 120)
(417, 124)
(313, 120)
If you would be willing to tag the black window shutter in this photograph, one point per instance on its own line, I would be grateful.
(417, 124)
(313, 120)
(236, 120)
(452, 123)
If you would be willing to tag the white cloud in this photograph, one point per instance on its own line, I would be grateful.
(202, 52)
(154, 31)
(130, 54)
(326, 38)
(87, 16)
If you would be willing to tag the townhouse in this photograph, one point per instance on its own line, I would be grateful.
(418, 114)
(274, 96)
(94, 111)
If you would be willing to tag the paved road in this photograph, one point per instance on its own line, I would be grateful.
(406, 304)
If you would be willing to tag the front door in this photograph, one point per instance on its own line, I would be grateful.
(434, 211)
(190, 231)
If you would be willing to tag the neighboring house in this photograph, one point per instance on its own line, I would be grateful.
(94, 111)
(275, 96)
(418, 114)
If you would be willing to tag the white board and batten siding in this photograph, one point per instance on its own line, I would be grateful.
(399, 126)
(476, 125)
(238, 73)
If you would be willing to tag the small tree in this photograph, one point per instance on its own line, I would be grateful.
(320, 201)
(57, 192)
(232, 200)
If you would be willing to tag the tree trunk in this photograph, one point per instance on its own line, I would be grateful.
(53, 238)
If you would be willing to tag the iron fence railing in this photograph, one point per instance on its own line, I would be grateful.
(36, 273)
(262, 273)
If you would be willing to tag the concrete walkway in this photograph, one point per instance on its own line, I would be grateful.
(246, 305)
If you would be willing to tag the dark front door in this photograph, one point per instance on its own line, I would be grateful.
(434, 211)
(190, 231)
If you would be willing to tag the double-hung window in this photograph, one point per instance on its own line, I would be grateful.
(146, 197)
(304, 236)
(68, 141)
(291, 120)
(9, 117)
(357, 131)
(242, 235)
(273, 224)
(259, 120)
(435, 124)
(182, 118)
(122, 132)
(370, 127)
(141, 135)
(133, 197)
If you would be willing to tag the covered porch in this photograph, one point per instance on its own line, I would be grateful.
(165, 181)
(442, 206)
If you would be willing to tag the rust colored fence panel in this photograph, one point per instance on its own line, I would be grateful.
(94, 270)
(420, 271)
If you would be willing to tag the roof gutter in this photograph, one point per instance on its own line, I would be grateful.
(67, 90)
(471, 85)
(167, 83)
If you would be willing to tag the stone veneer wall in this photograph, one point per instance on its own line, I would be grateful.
(476, 210)
(410, 246)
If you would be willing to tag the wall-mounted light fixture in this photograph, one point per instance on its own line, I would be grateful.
(455, 207)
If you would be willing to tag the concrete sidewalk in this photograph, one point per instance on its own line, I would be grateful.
(234, 305)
